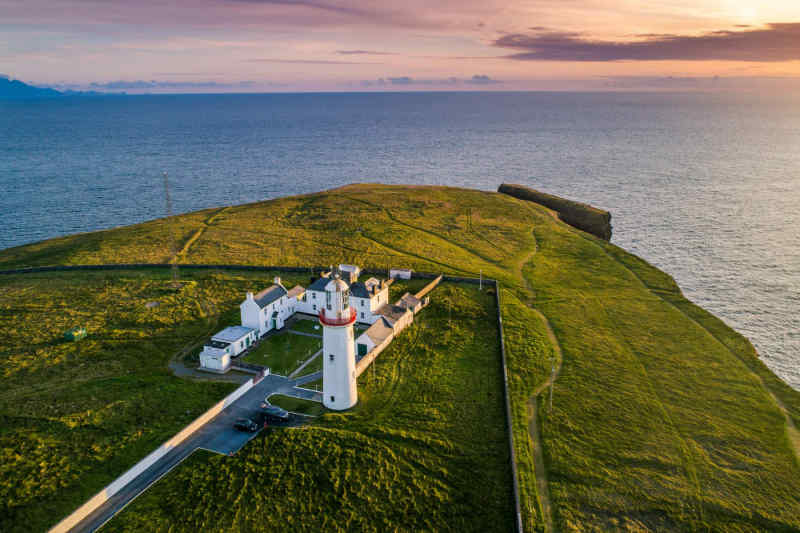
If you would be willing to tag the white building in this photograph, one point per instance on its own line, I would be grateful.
(397, 316)
(270, 308)
(411, 302)
(339, 389)
(314, 298)
(378, 334)
(399, 273)
(229, 342)
(367, 297)
(349, 273)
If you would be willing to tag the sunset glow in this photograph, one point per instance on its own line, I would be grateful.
(354, 44)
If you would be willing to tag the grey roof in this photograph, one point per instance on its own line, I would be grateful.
(232, 334)
(409, 300)
(359, 290)
(269, 295)
(362, 289)
(295, 291)
(217, 344)
(319, 284)
(392, 312)
(379, 331)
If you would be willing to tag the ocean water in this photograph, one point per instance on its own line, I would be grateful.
(705, 186)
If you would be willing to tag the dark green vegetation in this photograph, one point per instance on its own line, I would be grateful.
(663, 418)
(582, 216)
(75, 415)
(423, 450)
(284, 352)
(297, 405)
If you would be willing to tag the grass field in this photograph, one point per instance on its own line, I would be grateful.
(429, 423)
(297, 405)
(662, 419)
(73, 416)
(283, 352)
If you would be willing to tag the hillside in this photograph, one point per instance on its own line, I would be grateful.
(662, 418)
(15, 89)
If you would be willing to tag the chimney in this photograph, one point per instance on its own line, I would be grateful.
(277, 280)
(249, 296)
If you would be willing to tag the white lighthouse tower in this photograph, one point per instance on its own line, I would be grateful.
(338, 347)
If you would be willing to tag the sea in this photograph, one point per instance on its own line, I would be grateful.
(706, 186)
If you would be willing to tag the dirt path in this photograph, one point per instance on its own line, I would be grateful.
(542, 484)
(791, 430)
(196, 235)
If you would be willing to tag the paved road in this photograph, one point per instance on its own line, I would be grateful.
(217, 435)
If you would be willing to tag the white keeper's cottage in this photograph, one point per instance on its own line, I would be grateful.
(338, 300)
(269, 309)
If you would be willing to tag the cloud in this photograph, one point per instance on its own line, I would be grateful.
(775, 42)
(481, 79)
(363, 53)
(122, 85)
(323, 6)
(310, 61)
(478, 79)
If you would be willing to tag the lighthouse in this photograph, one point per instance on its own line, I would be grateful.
(338, 347)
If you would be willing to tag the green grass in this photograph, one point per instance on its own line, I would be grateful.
(663, 419)
(283, 352)
(75, 415)
(297, 405)
(307, 326)
(428, 425)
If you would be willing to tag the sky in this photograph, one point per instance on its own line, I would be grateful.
(299, 45)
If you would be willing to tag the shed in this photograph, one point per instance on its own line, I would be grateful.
(75, 334)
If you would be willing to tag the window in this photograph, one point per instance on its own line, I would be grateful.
(333, 398)
(314, 295)
(362, 314)
(315, 307)
(331, 356)
(328, 300)
(362, 303)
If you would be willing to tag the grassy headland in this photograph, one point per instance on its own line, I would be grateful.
(423, 450)
(662, 417)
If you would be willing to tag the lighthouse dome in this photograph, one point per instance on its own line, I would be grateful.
(336, 285)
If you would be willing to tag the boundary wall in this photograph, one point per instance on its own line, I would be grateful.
(118, 484)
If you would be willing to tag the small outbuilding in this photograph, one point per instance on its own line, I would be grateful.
(228, 343)
(400, 273)
(376, 335)
(75, 334)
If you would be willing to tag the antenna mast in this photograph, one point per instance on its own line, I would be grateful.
(168, 202)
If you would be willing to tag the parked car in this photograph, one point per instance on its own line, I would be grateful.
(245, 424)
(275, 413)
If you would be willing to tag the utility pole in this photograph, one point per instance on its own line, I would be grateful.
(168, 202)
(552, 383)
(480, 283)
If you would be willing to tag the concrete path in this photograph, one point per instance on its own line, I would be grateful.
(217, 435)
(293, 374)
(304, 334)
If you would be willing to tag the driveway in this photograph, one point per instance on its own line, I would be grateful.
(217, 435)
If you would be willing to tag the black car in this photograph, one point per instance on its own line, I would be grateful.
(275, 413)
(245, 424)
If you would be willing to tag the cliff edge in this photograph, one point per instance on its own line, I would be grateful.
(582, 216)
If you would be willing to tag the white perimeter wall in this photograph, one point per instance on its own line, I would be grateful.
(115, 486)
